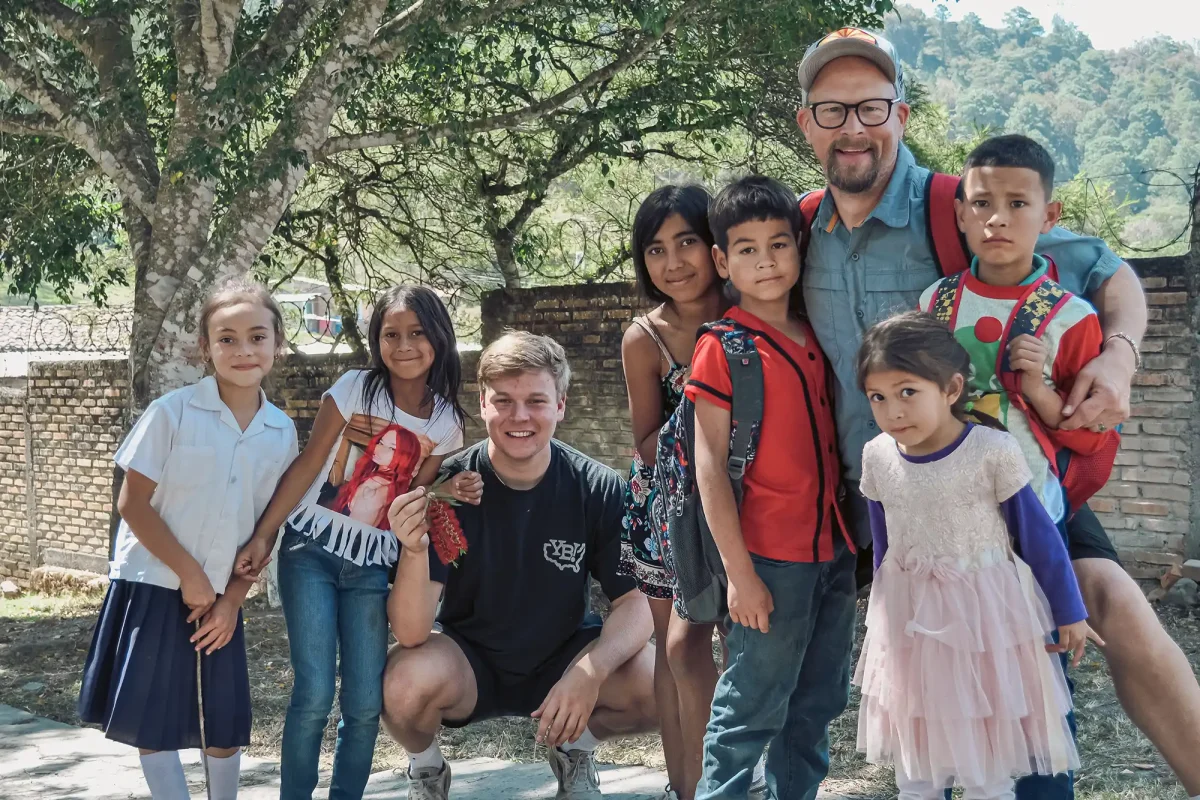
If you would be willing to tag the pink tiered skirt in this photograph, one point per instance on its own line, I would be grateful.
(957, 686)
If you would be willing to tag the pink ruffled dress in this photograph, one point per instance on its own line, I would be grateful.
(957, 686)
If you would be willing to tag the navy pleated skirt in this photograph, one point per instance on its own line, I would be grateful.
(139, 681)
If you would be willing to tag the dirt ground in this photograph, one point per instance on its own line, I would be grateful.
(44, 640)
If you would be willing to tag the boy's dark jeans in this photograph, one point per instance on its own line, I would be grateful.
(783, 688)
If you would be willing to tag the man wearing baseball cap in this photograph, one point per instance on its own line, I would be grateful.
(869, 256)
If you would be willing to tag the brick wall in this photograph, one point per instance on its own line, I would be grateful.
(76, 413)
(1149, 507)
(15, 558)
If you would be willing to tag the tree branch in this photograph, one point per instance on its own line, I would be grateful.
(68, 23)
(511, 119)
(218, 24)
(255, 211)
(79, 131)
(82, 31)
(23, 82)
(390, 39)
(282, 37)
(30, 125)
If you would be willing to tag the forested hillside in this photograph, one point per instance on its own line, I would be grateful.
(1128, 118)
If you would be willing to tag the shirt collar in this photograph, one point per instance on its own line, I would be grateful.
(208, 397)
(893, 207)
(1040, 266)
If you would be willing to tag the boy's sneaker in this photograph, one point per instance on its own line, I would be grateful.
(576, 773)
(668, 794)
(429, 783)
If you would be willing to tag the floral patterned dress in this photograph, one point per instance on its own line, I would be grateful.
(644, 555)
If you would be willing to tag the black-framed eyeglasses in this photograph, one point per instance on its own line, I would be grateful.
(871, 113)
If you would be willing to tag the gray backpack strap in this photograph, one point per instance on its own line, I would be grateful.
(746, 382)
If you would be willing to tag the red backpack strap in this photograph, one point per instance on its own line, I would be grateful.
(946, 242)
(810, 202)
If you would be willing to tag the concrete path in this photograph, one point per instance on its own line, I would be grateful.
(45, 760)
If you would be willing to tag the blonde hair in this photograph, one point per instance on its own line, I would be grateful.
(240, 290)
(521, 351)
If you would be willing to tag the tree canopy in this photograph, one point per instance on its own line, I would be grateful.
(1126, 120)
(212, 132)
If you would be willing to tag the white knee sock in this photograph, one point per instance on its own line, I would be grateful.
(916, 790)
(587, 742)
(223, 774)
(164, 775)
(1004, 789)
(429, 758)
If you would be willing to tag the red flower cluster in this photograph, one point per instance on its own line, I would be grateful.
(445, 531)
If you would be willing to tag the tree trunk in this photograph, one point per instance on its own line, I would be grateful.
(347, 309)
(506, 260)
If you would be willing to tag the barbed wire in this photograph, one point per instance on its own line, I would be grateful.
(1189, 184)
(72, 329)
(98, 331)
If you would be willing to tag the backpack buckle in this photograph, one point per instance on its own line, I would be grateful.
(737, 466)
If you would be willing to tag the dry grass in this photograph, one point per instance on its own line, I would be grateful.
(44, 640)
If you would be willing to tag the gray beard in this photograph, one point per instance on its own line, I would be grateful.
(852, 184)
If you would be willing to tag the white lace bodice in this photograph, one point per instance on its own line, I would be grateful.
(947, 508)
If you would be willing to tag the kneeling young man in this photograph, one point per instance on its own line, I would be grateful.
(517, 637)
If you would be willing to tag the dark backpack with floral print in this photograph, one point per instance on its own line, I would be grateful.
(677, 515)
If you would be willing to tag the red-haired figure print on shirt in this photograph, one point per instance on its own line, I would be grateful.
(384, 471)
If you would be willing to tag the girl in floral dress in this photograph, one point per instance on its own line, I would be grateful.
(672, 254)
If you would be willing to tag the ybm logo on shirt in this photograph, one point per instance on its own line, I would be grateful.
(564, 555)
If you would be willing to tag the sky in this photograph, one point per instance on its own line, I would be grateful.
(1110, 24)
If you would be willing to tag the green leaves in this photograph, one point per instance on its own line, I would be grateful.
(55, 221)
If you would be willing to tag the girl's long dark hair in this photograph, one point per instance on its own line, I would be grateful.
(916, 343)
(445, 376)
(689, 202)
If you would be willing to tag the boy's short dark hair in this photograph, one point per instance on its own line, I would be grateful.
(1014, 150)
(753, 198)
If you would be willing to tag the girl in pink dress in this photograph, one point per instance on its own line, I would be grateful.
(959, 684)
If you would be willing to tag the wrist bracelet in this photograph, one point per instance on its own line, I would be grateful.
(1125, 337)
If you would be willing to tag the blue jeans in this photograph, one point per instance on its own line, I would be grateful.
(783, 688)
(331, 604)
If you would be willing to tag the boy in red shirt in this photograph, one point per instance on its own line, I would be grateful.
(787, 556)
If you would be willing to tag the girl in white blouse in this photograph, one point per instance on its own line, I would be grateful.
(200, 467)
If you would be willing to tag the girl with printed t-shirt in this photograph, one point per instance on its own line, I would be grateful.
(379, 432)
(200, 466)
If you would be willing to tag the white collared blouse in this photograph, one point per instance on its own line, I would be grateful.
(214, 479)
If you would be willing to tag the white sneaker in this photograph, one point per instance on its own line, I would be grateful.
(576, 773)
(428, 783)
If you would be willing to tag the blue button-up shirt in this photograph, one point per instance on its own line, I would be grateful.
(853, 279)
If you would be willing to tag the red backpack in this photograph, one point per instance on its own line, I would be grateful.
(1081, 474)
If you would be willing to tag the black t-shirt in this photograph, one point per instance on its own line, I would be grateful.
(521, 590)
